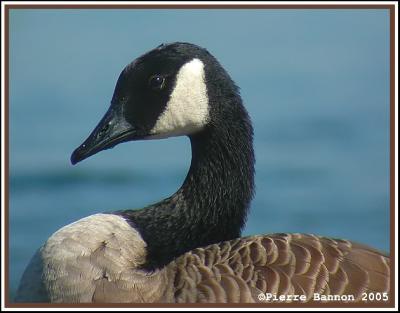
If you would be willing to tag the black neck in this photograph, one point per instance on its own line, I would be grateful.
(212, 204)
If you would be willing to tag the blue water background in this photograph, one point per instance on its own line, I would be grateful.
(315, 82)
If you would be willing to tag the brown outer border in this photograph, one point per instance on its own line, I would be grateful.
(199, 6)
(6, 156)
(391, 8)
(392, 136)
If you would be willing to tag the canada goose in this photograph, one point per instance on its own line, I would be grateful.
(187, 248)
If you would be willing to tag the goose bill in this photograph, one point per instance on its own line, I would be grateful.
(111, 130)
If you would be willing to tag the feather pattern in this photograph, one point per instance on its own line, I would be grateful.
(280, 264)
(96, 269)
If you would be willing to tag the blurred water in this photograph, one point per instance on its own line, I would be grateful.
(315, 83)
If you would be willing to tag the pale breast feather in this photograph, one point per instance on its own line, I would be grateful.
(95, 259)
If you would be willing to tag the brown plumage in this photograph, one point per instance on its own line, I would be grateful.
(101, 258)
(281, 264)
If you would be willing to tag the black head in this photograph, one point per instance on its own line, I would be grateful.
(181, 89)
(160, 94)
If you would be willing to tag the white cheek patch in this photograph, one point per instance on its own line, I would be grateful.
(187, 110)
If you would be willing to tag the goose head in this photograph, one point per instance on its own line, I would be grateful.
(163, 93)
(180, 89)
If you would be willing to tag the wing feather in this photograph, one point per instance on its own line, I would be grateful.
(284, 264)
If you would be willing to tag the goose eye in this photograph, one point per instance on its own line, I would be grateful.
(156, 82)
